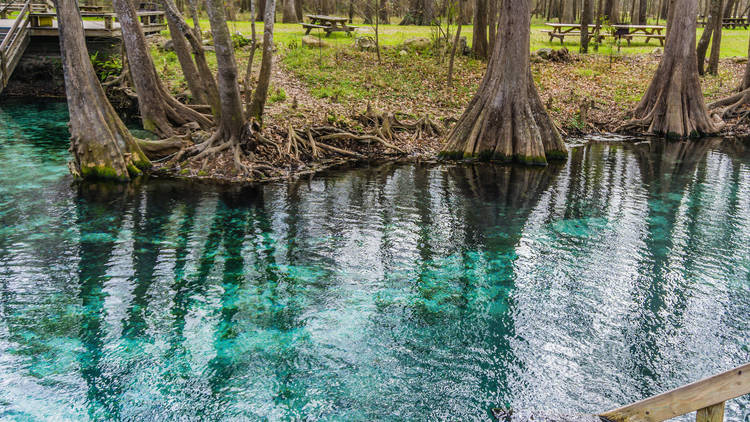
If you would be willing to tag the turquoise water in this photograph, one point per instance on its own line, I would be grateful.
(391, 292)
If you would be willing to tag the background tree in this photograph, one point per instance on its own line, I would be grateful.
(289, 12)
(713, 28)
(158, 109)
(258, 104)
(102, 146)
(420, 12)
(585, 22)
(673, 105)
(231, 119)
(480, 46)
(506, 119)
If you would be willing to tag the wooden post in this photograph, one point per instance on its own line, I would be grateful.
(108, 22)
(713, 413)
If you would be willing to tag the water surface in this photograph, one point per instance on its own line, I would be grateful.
(382, 293)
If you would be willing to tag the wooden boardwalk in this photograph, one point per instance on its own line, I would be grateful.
(36, 21)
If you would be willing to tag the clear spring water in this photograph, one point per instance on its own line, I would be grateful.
(383, 293)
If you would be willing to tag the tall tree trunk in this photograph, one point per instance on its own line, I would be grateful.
(673, 105)
(702, 48)
(728, 8)
(506, 119)
(261, 12)
(585, 22)
(189, 71)
(194, 39)
(479, 43)
(251, 56)
(298, 5)
(158, 109)
(102, 146)
(456, 40)
(421, 12)
(289, 14)
(195, 16)
(383, 12)
(613, 13)
(713, 61)
(746, 76)
(492, 24)
(231, 119)
(258, 103)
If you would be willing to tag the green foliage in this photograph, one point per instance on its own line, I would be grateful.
(277, 95)
(239, 40)
(106, 67)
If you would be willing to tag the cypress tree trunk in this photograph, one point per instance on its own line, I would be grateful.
(182, 49)
(199, 55)
(702, 48)
(158, 109)
(102, 146)
(746, 76)
(258, 103)
(713, 61)
(673, 105)
(479, 44)
(383, 12)
(506, 119)
(231, 119)
(289, 14)
(492, 24)
(585, 22)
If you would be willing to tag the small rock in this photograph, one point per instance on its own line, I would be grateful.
(544, 53)
(657, 51)
(312, 41)
(365, 44)
(402, 52)
(418, 43)
(167, 45)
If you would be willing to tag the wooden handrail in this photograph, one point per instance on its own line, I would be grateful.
(11, 32)
(707, 396)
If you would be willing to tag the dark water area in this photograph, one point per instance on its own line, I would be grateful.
(389, 292)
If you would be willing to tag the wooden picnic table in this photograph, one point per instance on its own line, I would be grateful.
(734, 22)
(627, 32)
(328, 23)
(647, 31)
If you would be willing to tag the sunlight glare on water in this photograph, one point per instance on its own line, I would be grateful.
(391, 292)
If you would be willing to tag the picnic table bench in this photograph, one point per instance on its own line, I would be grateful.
(649, 32)
(626, 32)
(328, 24)
(734, 22)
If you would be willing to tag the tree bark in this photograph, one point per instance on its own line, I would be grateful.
(713, 61)
(298, 5)
(585, 22)
(231, 119)
(258, 103)
(199, 55)
(182, 49)
(455, 46)
(506, 119)
(492, 24)
(479, 43)
(158, 109)
(421, 12)
(289, 14)
(746, 76)
(383, 12)
(702, 48)
(673, 105)
(102, 146)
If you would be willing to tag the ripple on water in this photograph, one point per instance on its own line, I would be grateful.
(393, 292)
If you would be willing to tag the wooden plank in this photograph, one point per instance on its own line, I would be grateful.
(698, 395)
(713, 413)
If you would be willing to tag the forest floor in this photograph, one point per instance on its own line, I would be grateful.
(335, 84)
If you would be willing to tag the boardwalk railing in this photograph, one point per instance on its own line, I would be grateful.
(14, 43)
(707, 396)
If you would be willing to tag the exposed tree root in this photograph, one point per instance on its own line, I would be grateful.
(386, 124)
(730, 107)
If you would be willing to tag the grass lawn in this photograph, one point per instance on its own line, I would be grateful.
(344, 80)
